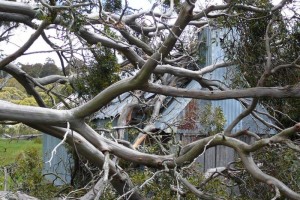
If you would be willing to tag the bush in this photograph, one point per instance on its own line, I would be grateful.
(282, 163)
(27, 175)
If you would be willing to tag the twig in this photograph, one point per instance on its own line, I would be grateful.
(141, 186)
(106, 166)
(292, 146)
(277, 195)
(194, 190)
(56, 177)
(25, 46)
(59, 144)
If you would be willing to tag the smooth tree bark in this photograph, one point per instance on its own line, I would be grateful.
(160, 49)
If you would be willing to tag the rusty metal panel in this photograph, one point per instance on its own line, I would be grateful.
(173, 113)
(189, 118)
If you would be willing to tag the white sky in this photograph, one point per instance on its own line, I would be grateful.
(22, 35)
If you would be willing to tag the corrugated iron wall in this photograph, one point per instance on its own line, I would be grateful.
(231, 108)
(60, 164)
(220, 155)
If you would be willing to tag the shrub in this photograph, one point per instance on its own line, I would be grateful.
(27, 175)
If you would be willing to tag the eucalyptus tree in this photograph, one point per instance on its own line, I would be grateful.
(159, 49)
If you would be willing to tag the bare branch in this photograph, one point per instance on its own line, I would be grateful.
(194, 190)
(15, 7)
(274, 92)
(20, 51)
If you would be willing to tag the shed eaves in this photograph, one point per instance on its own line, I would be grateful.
(115, 107)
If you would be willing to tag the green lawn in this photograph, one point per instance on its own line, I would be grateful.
(9, 149)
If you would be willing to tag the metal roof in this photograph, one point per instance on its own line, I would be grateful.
(115, 107)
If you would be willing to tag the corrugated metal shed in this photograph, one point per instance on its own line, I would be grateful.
(62, 161)
(172, 116)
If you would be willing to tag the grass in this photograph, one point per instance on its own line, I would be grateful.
(10, 149)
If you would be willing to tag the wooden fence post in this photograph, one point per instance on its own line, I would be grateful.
(5, 179)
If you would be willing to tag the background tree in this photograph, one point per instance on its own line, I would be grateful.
(99, 73)
(251, 31)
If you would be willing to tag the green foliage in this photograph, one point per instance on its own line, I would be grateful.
(41, 70)
(17, 96)
(246, 48)
(27, 175)
(33, 70)
(29, 169)
(112, 5)
(282, 163)
(38, 140)
(15, 93)
(28, 101)
(177, 4)
(15, 149)
(212, 120)
(9, 93)
(159, 186)
(216, 186)
(18, 129)
(49, 68)
(98, 74)
(14, 83)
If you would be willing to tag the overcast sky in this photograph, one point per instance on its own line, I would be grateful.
(22, 35)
